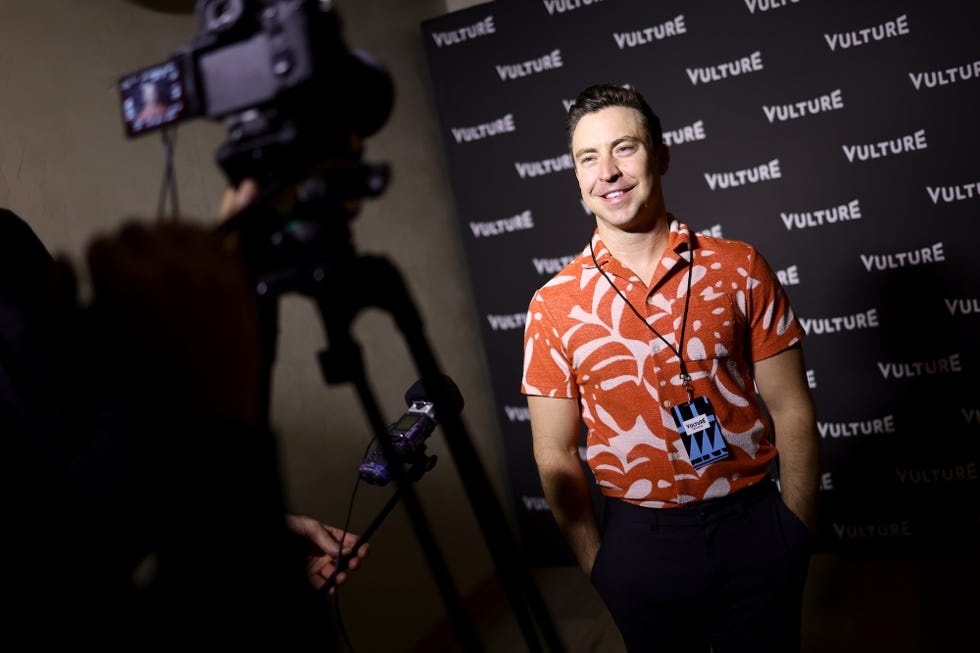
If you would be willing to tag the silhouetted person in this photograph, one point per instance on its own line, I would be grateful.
(144, 503)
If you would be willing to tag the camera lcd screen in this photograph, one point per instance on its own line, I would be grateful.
(238, 76)
(152, 97)
(406, 422)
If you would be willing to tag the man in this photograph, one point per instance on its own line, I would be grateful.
(153, 108)
(656, 338)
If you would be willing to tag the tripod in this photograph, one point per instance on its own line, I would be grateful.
(306, 251)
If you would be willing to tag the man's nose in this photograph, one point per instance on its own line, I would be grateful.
(608, 170)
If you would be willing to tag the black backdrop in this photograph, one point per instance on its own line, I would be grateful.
(838, 137)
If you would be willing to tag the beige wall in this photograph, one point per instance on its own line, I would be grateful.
(66, 168)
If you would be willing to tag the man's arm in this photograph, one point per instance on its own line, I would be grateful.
(555, 428)
(781, 380)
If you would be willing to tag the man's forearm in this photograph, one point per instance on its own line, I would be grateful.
(799, 465)
(567, 490)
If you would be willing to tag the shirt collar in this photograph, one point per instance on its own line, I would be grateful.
(680, 244)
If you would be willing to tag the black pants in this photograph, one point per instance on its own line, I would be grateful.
(726, 573)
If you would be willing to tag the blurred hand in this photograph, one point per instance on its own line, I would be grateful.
(330, 541)
(236, 199)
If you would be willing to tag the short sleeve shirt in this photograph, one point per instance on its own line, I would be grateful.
(583, 342)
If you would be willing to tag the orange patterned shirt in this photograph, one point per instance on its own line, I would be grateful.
(583, 342)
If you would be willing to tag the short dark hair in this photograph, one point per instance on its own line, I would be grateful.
(602, 96)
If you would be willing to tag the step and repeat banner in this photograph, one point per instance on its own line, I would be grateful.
(840, 138)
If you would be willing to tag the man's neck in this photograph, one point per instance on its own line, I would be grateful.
(638, 251)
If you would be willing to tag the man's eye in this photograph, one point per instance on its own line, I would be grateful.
(625, 149)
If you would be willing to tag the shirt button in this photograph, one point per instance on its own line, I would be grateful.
(666, 403)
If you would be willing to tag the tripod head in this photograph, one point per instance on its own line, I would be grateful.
(292, 235)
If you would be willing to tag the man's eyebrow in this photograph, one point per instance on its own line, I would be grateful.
(622, 139)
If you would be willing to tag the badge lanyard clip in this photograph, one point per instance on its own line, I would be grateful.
(686, 378)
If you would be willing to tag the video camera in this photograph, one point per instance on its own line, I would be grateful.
(280, 77)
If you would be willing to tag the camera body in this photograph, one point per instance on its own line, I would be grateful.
(247, 55)
(279, 76)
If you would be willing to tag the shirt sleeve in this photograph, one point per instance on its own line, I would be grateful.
(773, 326)
(547, 367)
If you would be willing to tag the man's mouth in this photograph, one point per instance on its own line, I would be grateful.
(614, 194)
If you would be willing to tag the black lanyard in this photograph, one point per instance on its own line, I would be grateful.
(685, 377)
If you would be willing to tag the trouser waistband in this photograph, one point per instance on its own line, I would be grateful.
(701, 511)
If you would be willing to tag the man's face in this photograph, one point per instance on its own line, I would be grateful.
(617, 172)
(149, 94)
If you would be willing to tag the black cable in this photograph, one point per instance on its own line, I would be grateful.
(343, 536)
(685, 377)
(169, 183)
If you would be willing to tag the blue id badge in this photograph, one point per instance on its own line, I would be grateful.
(700, 432)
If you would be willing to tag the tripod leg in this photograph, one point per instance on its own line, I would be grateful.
(344, 363)
(514, 574)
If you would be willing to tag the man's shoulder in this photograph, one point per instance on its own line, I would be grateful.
(572, 271)
(726, 247)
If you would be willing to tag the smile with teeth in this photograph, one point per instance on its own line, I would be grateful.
(614, 194)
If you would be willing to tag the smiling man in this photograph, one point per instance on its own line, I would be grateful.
(681, 355)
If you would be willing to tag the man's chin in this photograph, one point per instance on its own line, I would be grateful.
(635, 224)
